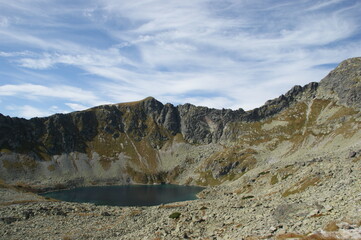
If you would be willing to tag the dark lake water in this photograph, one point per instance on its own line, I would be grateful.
(127, 195)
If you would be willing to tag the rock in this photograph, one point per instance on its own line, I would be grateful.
(273, 229)
(313, 213)
(28, 213)
(352, 154)
(60, 212)
(106, 214)
(328, 208)
(9, 220)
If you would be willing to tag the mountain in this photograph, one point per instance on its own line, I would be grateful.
(147, 142)
(296, 154)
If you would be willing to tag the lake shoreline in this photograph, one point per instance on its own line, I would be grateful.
(127, 195)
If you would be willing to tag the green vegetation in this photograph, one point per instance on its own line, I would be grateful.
(175, 215)
(274, 180)
(27, 163)
(5, 150)
(263, 173)
(247, 197)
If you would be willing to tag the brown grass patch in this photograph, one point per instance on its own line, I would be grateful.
(301, 186)
(274, 179)
(320, 237)
(172, 206)
(5, 150)
(288, 236)
(331, 227)
(295, 236)
(244, 189)
(157, 238)
(135, 212)
(12, 165)
(357, 159)
(106, 163)
(26, 163)
(51, 168)
(318, 215)
(3, 184)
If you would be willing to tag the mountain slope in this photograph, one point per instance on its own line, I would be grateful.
(148, 142)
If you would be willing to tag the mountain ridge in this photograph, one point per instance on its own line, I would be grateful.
(136, 136)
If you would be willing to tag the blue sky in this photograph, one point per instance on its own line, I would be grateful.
(62, 56)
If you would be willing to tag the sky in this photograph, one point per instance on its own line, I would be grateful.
(59, 56)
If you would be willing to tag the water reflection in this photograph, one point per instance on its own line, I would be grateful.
(128, 195)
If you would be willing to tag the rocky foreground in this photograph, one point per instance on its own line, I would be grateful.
(308, 198)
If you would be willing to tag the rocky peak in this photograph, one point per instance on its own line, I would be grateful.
(151, 105)
(344, 83)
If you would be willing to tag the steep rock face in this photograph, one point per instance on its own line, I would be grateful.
(204, 125)
(147, 141)
(344, 83)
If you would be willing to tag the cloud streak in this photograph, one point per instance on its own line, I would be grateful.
(31, 91)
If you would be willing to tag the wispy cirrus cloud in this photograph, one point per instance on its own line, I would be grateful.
(219, 54)
(32, 91)
(105, 58)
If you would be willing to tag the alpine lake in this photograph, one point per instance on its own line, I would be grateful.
(127, 195)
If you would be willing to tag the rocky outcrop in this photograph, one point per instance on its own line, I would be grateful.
(344, 83)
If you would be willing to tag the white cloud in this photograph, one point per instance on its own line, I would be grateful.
(16, 54)
(324, 4)
(43, 63)
(76, 106)
(84, 59)
(32, 91)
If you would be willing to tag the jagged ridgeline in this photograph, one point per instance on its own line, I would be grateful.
(149, 142)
